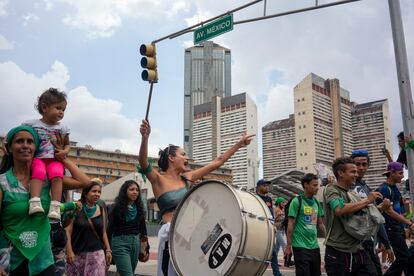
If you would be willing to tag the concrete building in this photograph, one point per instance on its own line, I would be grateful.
(371, 131)
(326, 125)
(207, 73)
(278, 141)
(218, 125)
(323, 123)
(104, 164)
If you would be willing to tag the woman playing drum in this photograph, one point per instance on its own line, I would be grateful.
(171, 184)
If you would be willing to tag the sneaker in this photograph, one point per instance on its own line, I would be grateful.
(35, 206)
(54, 210)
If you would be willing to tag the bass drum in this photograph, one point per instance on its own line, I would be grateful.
(221, 230)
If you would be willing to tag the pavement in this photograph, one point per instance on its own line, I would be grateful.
(150, 268)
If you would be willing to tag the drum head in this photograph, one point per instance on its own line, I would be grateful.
(206, 232)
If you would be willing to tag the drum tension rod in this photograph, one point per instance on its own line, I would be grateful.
(254, 259)
(251, 215)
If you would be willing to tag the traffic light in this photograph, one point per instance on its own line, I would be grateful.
(149, 62)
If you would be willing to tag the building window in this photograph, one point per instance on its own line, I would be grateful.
(186, 138)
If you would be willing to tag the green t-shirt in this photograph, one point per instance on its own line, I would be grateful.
(305, 233)
(339, 239)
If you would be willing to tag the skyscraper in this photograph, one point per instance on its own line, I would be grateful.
(207, 73)
(278, 141)
(218, 125)
(322, 121)
(326, 125)
(371, 131)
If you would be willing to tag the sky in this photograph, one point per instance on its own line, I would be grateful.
(90, 49)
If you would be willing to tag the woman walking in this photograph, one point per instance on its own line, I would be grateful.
(127, 228)
(172, 183)
(88, 250)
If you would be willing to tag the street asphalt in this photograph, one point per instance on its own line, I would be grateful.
(150, 268)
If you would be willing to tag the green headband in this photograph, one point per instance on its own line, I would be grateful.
(29, 129)
(279, 200)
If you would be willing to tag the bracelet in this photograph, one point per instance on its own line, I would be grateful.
(147, 170)
(108, 251)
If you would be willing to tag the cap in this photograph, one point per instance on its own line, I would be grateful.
(262, 182)
(394, 167)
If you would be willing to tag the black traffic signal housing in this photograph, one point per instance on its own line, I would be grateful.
(149, 62)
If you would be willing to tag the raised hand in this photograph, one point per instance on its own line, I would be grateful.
(145, 128)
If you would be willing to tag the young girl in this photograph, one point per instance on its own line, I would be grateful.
(51, 105)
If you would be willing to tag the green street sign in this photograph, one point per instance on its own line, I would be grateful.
(213, 29)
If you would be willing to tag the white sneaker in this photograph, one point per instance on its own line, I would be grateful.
(35, 206)
(54, 210)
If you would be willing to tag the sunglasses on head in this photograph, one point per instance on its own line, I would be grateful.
(362, 152)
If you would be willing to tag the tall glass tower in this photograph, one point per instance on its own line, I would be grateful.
(207, 73)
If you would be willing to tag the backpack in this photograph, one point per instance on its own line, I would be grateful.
(364, 224)
(286, 220)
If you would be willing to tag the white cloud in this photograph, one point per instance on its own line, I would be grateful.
(3, 7)
(48, 4)
(29, 18)
(102, 18)
(19, 91)
(5, 44)
(94, 121)
(273, 109)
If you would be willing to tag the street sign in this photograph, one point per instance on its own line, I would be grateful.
(213, 29)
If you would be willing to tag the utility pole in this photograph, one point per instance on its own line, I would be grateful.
(406, 98)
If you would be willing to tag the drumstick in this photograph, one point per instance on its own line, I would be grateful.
(149, 100)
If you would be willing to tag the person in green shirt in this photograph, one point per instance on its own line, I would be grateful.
(344, 255)
(305, 215)
(27, 237)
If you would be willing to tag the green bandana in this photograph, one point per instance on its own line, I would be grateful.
(89, 212)
(132, 212)
(29, 129)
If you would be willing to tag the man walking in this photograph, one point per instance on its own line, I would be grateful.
(394, 218)
(362, 162)
(344, 254)
(262, 189)
(305, 213)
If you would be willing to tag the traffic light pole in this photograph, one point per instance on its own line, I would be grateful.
(406, 98)
(149, 100)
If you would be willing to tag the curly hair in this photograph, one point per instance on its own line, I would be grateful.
(120, 207)
(163, 156)
(49, 97)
